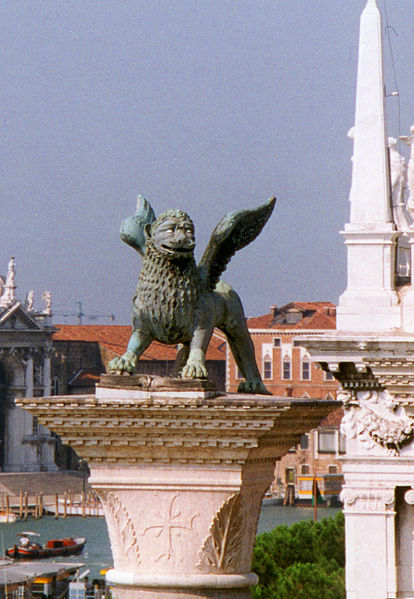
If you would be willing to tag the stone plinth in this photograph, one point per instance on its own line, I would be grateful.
(181, 473)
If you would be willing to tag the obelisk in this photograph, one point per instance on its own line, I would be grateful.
(370, 302)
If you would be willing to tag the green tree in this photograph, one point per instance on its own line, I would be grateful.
(305, 561)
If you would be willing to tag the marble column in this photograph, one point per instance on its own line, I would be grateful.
(181, 472)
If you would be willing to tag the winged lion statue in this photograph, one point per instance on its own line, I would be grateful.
(178, 302)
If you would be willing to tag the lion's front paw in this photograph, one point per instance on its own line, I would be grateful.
(125, 363)
(194, 370)
(255, 386)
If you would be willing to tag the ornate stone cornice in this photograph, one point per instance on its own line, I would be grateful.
(165, 429)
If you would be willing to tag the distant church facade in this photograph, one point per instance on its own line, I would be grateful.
(25, 371)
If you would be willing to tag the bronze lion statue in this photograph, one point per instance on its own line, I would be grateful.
(178, 302)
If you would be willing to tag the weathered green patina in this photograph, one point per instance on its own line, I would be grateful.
(179, 302)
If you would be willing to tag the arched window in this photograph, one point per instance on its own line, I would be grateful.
(267, 367)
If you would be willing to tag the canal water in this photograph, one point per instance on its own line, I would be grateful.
(97, 553)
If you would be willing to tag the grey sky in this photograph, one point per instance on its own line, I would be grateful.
(209, 106)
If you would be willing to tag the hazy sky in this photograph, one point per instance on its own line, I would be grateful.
(208, 106)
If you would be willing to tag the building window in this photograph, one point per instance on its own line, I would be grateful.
(35, 426)
(304, 441)
(276, 342)
(305, 469)
(342, 443)
(287, 369)
(239, 375)
(328, 375)
(327, 441)
(306, 486)
(267, 367)
(306, 370)
(332, 469)
(290, 475)
(55, 386)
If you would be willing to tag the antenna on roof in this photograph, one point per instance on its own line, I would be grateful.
(80, 314)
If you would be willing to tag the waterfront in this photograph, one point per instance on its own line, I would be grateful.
(97, 553)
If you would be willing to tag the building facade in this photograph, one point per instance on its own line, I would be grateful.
(25, 371)
(287, 371)
(285, 366)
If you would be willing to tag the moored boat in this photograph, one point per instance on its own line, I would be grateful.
(28, 548)
(6, 517)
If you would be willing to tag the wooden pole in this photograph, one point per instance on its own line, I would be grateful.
(7, 506)
(21, 505)
(65, 497)
(315, 497)
(2, 501)
(57, 506)
(41, 509)
(26, 505)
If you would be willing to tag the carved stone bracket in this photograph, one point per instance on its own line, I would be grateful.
(376, 419)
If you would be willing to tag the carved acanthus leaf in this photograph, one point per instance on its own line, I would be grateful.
(121, 530)
(222, 548)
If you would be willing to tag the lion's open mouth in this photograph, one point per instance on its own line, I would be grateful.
(181, 250)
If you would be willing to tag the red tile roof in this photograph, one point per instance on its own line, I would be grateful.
(115, 338)
(315, 315)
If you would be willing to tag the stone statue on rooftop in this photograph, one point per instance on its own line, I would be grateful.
(178, 302)
(29, 304)
(8, 295)
(47, 298)
(409, 140)
(398, 173)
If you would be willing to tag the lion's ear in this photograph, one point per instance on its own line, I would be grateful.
(147, 230)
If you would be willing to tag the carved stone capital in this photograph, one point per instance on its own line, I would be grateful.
(375, 500)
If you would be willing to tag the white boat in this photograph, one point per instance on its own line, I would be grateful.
(6, 517)
(76, 508)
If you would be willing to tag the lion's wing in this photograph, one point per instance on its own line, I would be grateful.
(235, 230)
(132, 228)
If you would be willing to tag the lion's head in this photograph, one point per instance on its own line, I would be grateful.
(172, 234)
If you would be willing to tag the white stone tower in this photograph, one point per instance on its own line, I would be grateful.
(370, 302)
(372, 355)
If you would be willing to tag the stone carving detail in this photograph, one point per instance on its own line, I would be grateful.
(8, 291)
(222, 549)
(409, 140)
(168, 519)
(370, 501)
(122, 534)
(376, 418)
(409, 496)
(47, 298)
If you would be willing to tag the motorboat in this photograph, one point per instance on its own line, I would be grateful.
(28, 547)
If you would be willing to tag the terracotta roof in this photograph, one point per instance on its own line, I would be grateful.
(115, 338)
(315, 315)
